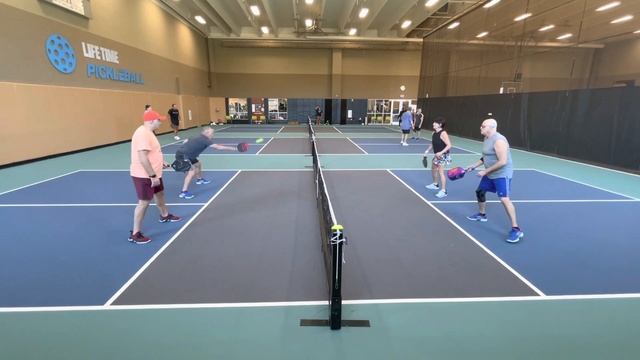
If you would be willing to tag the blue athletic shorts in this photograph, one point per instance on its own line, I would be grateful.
(500, 186)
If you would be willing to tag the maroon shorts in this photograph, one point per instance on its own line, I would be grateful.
(144, 189)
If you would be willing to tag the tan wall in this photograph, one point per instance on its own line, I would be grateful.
(217, 109)
(56, 121)
(137, 23)
(617, 61)
(458, 71)
(311, 73)
(67, 112)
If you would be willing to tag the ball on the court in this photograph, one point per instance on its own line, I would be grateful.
(259, 140)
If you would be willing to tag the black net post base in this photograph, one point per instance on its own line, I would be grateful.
(336, 244)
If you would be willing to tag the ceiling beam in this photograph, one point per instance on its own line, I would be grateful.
(245, 9)
(217, 20)
(266, 4)
(347, 9)
(296, 15)
(218, 6)
(394, 16)
(373, 13)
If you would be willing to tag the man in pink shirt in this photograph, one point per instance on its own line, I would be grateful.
(146, 171)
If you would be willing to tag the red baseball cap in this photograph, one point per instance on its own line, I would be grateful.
(152, 115)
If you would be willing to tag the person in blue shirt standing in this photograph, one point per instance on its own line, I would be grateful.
(496, 176)
(406, 124)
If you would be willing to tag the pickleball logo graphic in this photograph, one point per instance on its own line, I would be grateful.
(61, 54)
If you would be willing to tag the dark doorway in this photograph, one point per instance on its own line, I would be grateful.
(327, 111)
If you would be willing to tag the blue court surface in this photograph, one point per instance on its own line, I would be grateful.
(253, 147)
(67, 241)
(577, 237)
(393, 146)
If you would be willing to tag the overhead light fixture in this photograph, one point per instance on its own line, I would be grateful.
(308, 2)
(431, 3)
(308, 23)
(564, 36)
(363, 13)
(200, 19)
(608, 6)
(491, 3)
(637, 32)
(405, 24)
(453, 25)
(255, 10)
(547, 27)
(482, 34)
(522, 17)
(622, 19)
(265, 29)
(353, 31)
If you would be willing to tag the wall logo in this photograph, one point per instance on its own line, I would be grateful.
(61, 54)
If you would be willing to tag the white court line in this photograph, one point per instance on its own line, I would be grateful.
(175, 236)
(40, 182)
(534, 201)
(358, 146)
(503, 263)
(90, 205)
(265, 145)
(212, 170)
(336, 129)
(318, 302)
(172, 143)
(585, 184)
(281, 128)
(384, 154)
(576, 162)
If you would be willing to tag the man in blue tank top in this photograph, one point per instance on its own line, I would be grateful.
(496, 177)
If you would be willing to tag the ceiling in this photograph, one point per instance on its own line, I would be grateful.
(234, 23)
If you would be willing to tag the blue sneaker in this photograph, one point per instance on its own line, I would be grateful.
(186, 195)
(514, 236)
(202, 181)
(478, 217)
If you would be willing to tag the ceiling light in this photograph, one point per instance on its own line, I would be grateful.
(363, 13)
(353, 31)
(622, 19)
(522, 17)
(453, 25)
(265, 29)
(405, 24)
(255, 10)
(491, 3)
(608, 6)
(430, 3)
(200, 19)
(564, 36)
(545, 28)
(637, 32)
(308, 23)
(308, 2)
(482, 34)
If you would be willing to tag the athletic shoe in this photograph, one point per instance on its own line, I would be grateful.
(440, 194)
(169, 218)
(478, 217)
(433, 186)
(186, 195)
(405, 144)
(177, 137)
(138, 238)
(514, 236)
(202, 181)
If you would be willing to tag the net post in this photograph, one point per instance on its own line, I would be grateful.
(335, 307)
